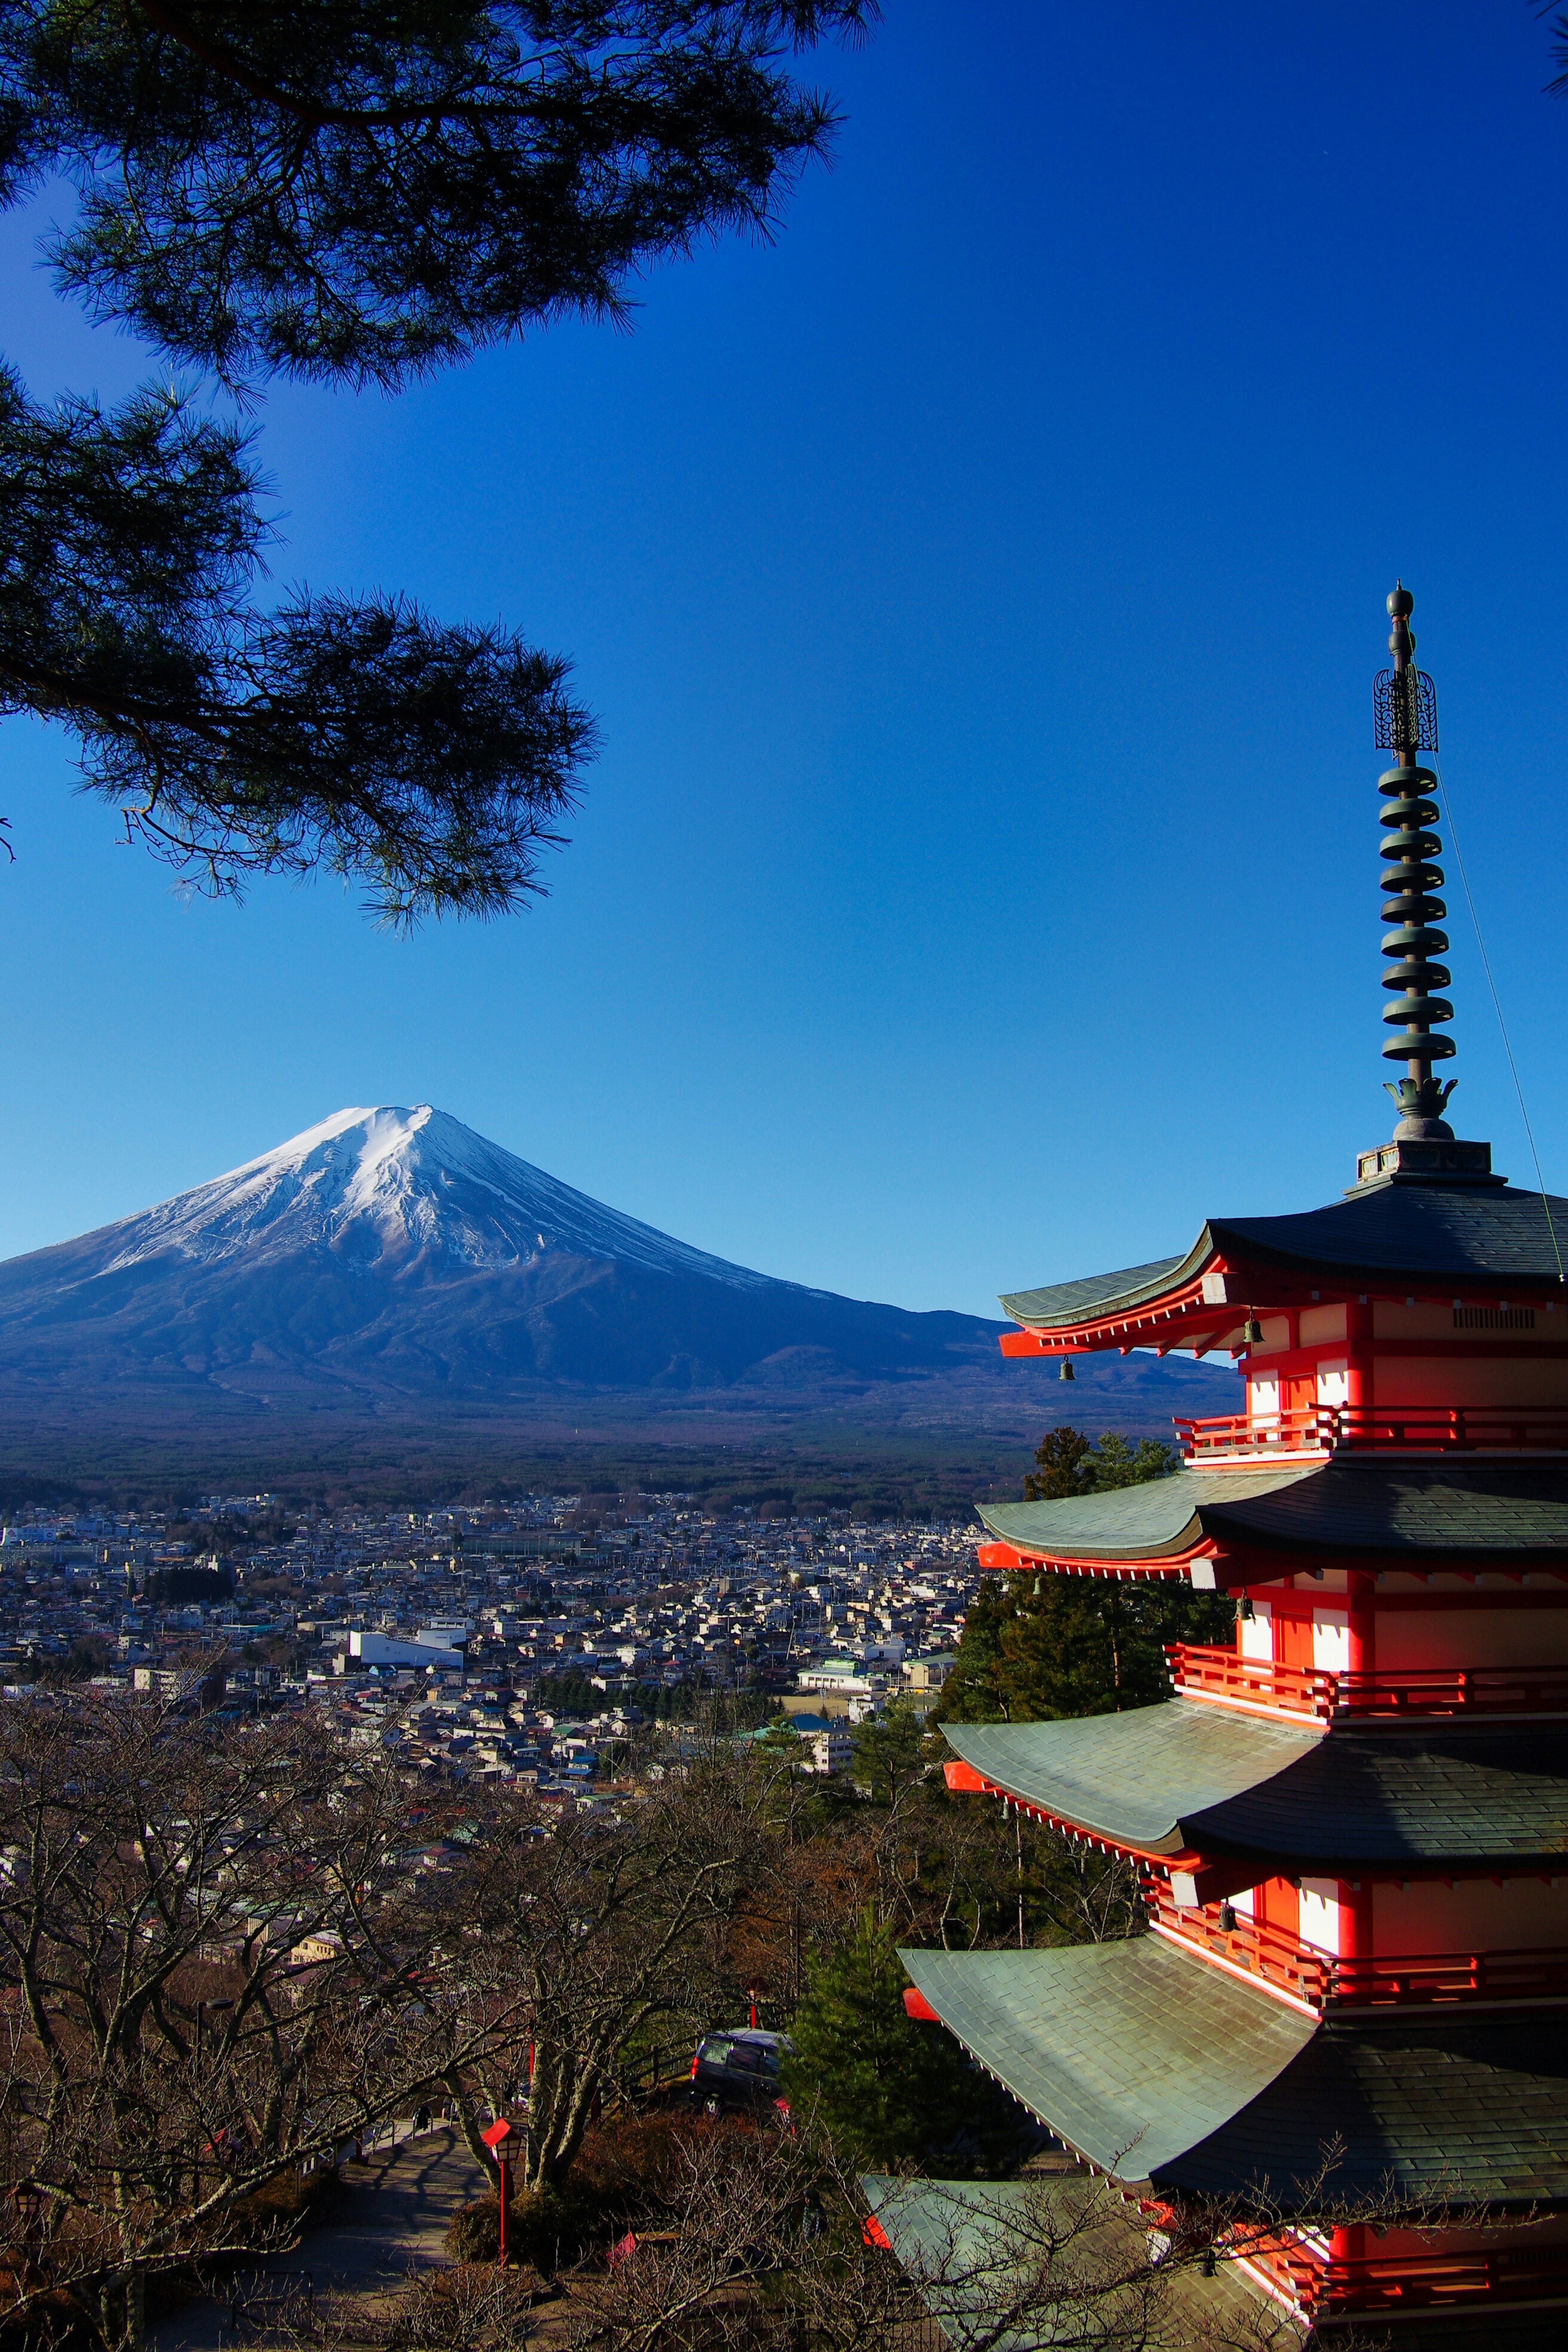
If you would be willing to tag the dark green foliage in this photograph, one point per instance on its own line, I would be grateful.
(1038, 1647)
(88, 1654)
(1066, 1463)
(543, 2226)
(430, 763)
(889, 2093)
(351, 193)
(365, 188)
(887, 1757)
(1054, 1645)
(209, 1585)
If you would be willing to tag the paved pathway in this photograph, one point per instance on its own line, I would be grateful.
(393, 2219)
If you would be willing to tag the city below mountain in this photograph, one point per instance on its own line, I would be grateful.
(390, 1264)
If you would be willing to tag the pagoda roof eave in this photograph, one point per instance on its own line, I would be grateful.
(974, 2248)
(1372, 1507)
(1386, 1240)
(1086, 2037)
(1158, 2067)
(1184, 1777)
(1159, 1519)
(1137, 1780)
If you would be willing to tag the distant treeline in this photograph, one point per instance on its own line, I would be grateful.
(384, 1466)
(575, 1695)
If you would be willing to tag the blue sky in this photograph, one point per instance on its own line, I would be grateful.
(980, 591)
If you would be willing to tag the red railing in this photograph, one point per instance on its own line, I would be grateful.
(1379, 1980)
(1330, 1429)
(1255, 1684)
(1395, 1980)
(1262, 1686)
(1278, 1959)
(1405, 2282)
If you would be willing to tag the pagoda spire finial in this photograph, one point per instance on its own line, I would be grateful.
(1406, 724)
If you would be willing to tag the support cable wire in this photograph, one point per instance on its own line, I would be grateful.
(1497, 1008)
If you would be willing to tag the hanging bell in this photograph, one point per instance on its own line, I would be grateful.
(1064, 1370)
(1252, 1331)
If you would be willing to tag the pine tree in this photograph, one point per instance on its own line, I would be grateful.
(352, 192)
(886, 1755)
(1038, 1647)
(888, 2093)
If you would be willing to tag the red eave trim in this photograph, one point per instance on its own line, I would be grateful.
(1183, 1317)
(966, 1781)
(1011, 1558)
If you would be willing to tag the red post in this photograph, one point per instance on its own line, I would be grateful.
(1358, 1368)
(498, 2139)
(1363, 1643)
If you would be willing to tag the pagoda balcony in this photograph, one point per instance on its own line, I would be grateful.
(1261, 1687)
(1318, 1432)
(1305, 1973)
(1433, 2280)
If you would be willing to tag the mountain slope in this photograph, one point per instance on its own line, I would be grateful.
(389, 1259)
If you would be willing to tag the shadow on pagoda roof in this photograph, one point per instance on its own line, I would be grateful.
(1457, 1234)
(1155, 2067)
(1184, 1777)
(1361, 1505)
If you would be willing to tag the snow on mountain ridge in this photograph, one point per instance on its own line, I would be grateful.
(388, 1183)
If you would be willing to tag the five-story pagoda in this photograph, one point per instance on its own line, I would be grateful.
(1353, 1827)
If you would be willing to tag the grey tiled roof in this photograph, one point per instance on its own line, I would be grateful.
(1132, 2051)
(1156, 2065)
(1468, 1233)
(1433, 1794)
(1190, 1774)
(1438, 1507)
(1132, 1778)
(1094, 1292)
(1158, 1516)
(1464, 2108)
(973, 2247)
(1414, 1229)
(1044, 2248)
(1350, 1503)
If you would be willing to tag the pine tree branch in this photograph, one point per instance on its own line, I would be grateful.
(430, 763)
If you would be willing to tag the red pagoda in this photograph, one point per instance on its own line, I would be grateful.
(1352, 1828)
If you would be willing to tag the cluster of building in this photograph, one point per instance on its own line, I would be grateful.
(528, 1642)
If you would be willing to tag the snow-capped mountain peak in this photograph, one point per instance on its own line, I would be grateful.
(384, 1186)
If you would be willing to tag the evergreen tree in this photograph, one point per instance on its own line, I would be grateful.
(1064, 1465)
(1036, 1647)
(888, 2091)
(354, 191)
(886, 1757)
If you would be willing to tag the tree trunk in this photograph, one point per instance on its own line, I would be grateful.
(560, 2109)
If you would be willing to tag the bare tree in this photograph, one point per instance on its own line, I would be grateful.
(762, 2240)
(211, 1975)
(583, 1937)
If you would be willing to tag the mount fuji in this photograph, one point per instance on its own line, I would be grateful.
(390, 1263)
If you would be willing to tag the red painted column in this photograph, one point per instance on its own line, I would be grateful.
(1347, 2253)
(1358, 1357)
(1363, 1643)
(1355, 1922)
